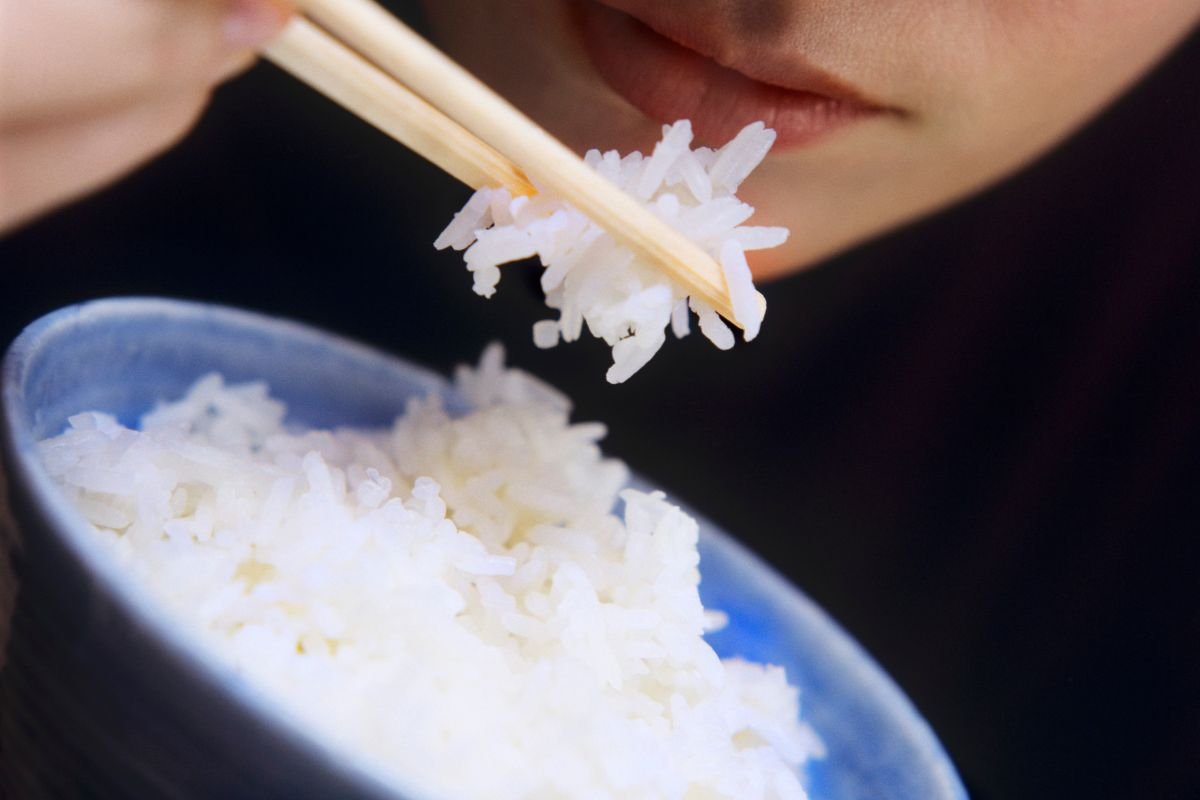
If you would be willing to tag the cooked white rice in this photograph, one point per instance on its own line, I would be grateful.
(589, 278)
(452, 598)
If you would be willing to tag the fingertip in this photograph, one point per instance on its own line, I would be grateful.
(249, 24)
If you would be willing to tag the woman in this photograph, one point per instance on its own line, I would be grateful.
(884, 110)
(973, 440)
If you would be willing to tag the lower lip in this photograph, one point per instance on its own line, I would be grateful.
(669, 82)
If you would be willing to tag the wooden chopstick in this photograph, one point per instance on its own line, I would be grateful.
(316, 58)
(438, 84)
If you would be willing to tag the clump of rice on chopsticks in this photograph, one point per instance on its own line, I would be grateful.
(590, 278)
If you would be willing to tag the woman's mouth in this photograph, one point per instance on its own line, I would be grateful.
(668, 77)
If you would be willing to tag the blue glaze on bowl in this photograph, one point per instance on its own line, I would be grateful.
(132, 708)
(878, 745)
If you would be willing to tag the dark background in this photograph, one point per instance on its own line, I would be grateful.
(976, 441)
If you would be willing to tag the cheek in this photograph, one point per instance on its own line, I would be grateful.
(1089, 46)
(1042, 68)
(1000, 80)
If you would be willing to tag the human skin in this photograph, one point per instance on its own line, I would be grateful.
(931, 99)
(90, 89)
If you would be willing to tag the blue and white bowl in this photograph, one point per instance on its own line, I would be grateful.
(102, 695)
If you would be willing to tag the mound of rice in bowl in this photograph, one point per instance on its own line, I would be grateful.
(452, 590)
(590, 278)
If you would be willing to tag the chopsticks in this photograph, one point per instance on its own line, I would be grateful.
(316, 58)
(394, 79)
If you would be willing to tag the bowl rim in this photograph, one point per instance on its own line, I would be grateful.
(188, 650)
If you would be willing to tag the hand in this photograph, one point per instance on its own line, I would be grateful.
(90, 89)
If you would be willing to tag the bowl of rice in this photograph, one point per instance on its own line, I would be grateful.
(254, 559)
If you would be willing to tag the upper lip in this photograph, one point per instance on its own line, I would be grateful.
(784, 68)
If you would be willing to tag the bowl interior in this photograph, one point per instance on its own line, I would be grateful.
(122, 356)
